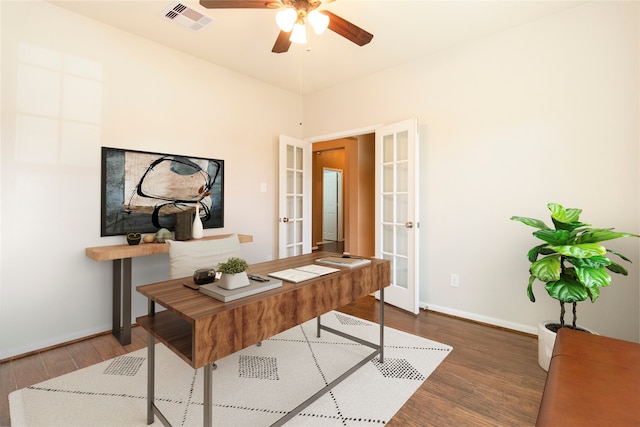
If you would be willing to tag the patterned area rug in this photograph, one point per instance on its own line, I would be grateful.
(254, 387)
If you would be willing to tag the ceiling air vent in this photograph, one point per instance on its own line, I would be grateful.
(186, 17)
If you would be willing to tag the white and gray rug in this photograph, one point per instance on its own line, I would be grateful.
(254, 387)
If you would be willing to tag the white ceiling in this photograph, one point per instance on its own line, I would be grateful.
(241, 39)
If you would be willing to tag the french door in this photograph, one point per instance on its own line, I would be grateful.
(397, 221)
(294, 217)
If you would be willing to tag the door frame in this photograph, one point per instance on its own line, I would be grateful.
(357, 132)
(344, 134)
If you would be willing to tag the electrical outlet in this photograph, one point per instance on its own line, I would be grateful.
(455, 280)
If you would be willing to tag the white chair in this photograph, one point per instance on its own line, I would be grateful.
(187, 257)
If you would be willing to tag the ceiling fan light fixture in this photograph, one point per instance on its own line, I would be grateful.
(299, 32)
(286, 18)
(319, 21)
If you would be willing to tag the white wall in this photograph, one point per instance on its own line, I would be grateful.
(544, 112)
(71, 85)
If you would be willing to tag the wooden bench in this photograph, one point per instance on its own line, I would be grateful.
(592, 381)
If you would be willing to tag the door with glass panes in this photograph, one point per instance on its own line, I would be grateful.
(294, 216)
(397, 221)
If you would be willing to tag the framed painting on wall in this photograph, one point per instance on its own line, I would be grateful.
(142, 191)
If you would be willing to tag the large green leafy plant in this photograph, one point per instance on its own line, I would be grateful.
(571, 262)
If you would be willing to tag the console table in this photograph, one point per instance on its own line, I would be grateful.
(121, 256)
(201, 330)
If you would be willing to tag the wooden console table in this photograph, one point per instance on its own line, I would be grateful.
(121, 256)
(201, 330)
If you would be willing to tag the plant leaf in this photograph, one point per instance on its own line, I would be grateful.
(547, 268)
(594, 293)
(617, 268)
(585, 250)
(593, 277)
(531, 222)
(597, 261)
(601, 235)
(533, 253)
(567, 290)
(619, 254)
(554, 237)
(530, 288)
(564, 226)
(567, 216)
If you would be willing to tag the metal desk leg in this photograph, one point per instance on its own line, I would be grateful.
(121, 315)
(151, 369)
(381, 325)
(152, 409)
(208, 396)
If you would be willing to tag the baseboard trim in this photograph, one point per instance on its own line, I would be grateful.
(58, 345)
(473, 317)
(485, 320)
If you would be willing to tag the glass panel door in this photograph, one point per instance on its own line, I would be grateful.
(295, 197)
(397, 210)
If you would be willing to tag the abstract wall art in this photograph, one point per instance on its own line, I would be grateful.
(142, 191)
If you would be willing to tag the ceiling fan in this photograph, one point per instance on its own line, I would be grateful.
(291, 18)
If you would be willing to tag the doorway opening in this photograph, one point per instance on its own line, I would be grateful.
(332, 214)
(354, 157)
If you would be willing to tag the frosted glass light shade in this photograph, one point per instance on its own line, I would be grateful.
(319, 21)
(286, 18)
(299, 33)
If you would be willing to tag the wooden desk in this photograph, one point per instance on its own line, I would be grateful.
(202, 330)
(121, 256)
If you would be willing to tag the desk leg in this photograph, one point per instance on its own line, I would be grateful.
(151, 370)
(381, 325)
(121, 305)
(208, 395)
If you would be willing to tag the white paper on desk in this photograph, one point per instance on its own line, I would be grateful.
(320, 270)
(293, 275)
(305, 272)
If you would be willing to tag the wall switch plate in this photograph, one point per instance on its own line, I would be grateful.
(455, 280)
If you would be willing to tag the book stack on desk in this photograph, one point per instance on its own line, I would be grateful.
(341, 261)
(226, 295)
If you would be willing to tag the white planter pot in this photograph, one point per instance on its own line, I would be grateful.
(546, 341)
(233, 281)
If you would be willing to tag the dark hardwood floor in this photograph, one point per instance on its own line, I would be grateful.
(491, 378)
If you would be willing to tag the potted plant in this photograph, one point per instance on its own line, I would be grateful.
(571, 263)
(234, 273)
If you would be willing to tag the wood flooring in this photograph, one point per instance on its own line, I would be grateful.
(491, 378)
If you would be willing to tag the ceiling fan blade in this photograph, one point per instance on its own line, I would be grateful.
(241, 4)
(347, 30)
(282, 43)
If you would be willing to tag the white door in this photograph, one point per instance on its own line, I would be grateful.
(397, 210)
(294, 197)
(331, 204)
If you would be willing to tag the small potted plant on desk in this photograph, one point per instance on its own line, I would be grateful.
(573, 266)
(234, 274)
